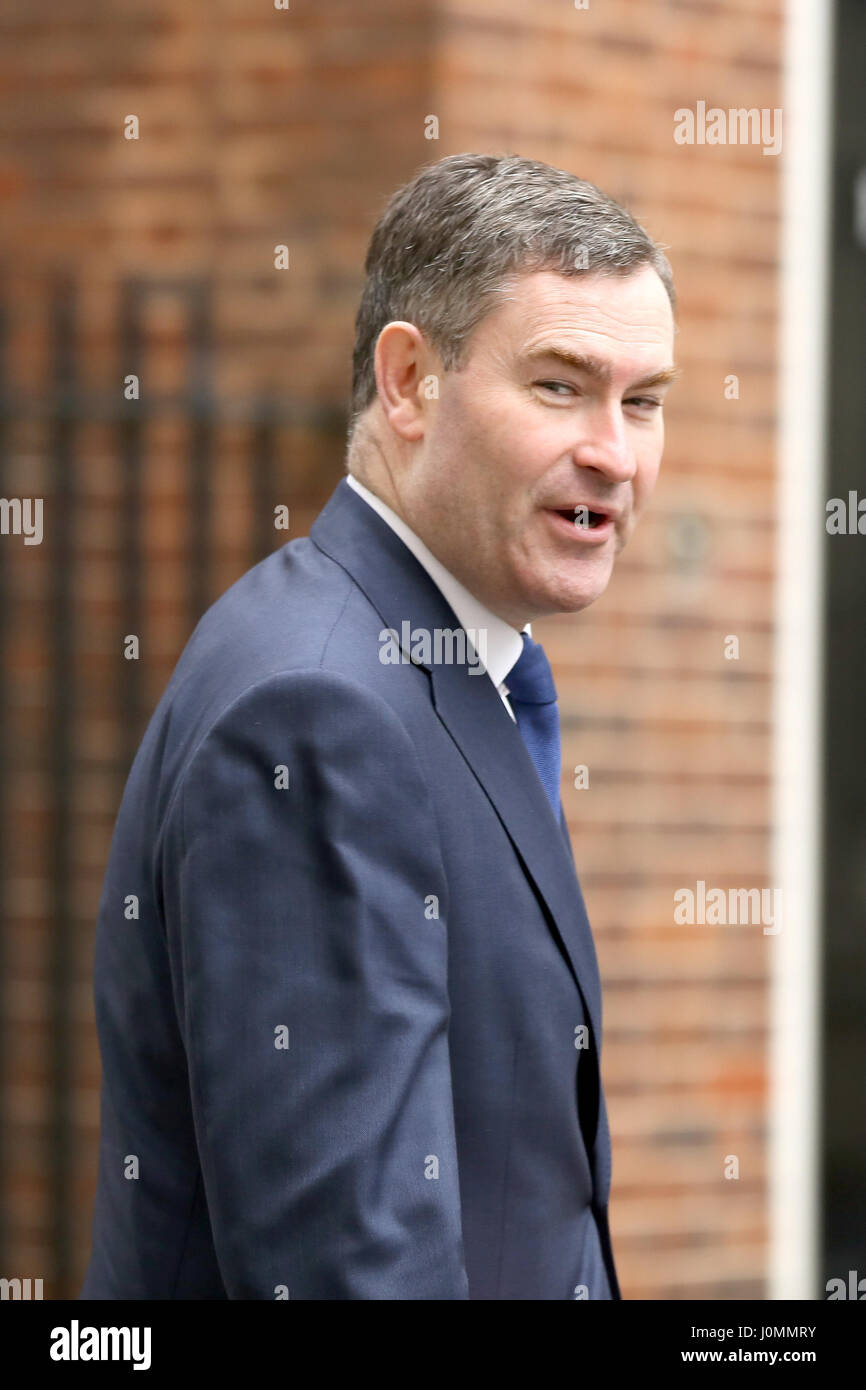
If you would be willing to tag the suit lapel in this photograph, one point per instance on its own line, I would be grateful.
(398, 586)
(563, 825)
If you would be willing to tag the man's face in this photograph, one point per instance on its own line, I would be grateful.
(521, 437)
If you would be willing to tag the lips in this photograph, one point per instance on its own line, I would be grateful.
(584, 514)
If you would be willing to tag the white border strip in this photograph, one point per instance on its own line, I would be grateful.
(795, 990)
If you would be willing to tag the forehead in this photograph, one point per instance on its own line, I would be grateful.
(609, 315)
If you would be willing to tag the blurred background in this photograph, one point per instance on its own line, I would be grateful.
(166, 381)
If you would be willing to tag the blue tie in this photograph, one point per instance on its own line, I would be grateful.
(532, 695)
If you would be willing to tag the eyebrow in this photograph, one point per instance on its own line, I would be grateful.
(594, 367)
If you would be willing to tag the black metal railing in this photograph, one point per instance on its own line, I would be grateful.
(62, 408)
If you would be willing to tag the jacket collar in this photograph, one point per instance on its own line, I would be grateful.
(400, 589)
(504, 643)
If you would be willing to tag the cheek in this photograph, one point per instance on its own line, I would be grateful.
(500, 445)
(468, 430)
(645, 481)
(531, 445)
(647, 471)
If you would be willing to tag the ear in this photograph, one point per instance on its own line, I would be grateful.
(402, 360)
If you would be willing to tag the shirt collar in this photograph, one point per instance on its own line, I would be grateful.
(504, 642)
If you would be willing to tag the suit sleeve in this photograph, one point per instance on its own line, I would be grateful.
(305, 902)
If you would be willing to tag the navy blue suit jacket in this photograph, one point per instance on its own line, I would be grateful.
(342, 967)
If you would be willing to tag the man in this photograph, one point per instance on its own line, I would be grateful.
(347, 995)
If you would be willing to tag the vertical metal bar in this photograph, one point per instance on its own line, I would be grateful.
(263, 451)
(61, 763)
(201, 409)
(5, 1196)
(130, 452)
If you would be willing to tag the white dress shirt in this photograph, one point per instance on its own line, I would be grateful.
(504, 642)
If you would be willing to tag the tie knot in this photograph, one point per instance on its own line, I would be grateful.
(530, 679)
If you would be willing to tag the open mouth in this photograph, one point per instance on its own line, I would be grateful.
(583, 516)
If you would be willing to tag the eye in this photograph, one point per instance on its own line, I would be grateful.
(645, 402)
(550, 385)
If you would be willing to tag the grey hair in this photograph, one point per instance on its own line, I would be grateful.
(451, 242)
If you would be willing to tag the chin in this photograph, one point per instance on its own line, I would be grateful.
(565, 599)
(580, 593)
(560, 589)
(574, 605)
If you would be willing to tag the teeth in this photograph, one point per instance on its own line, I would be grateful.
(582, 515)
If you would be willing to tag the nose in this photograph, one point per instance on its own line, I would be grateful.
(604, 444)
